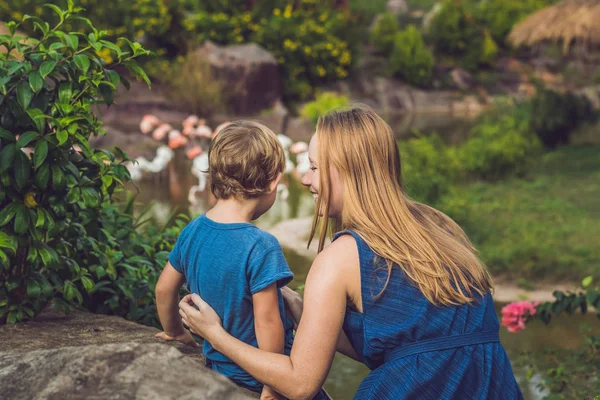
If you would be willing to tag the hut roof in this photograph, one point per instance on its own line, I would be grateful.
(568, 21)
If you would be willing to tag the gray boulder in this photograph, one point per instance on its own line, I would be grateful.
(250, 74)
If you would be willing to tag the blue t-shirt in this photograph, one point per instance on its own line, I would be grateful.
(226, 264)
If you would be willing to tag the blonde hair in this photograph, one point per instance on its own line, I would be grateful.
(244, 159)
(431, 249)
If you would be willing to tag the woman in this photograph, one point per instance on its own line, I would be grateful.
(400, 288)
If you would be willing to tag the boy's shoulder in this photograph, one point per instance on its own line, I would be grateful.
(265, 241)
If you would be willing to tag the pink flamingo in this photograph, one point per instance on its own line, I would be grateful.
(161, 132)
(148, 123)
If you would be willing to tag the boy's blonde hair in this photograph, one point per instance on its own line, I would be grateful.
(244, 159)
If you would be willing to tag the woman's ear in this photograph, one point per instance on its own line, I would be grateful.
(273, 185)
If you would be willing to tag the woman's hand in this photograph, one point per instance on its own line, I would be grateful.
(293, 303)
(203, 321)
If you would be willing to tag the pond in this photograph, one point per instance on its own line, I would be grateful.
(346, 374)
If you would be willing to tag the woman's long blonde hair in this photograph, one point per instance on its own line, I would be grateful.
(430, 248)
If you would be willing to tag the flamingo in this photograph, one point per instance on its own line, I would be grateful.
(161, 132)
(148, 123)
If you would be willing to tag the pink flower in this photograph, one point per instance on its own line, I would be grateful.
(514, 315)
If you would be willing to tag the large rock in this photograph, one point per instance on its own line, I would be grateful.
(83, 355)
(250, 74)
(110, 371)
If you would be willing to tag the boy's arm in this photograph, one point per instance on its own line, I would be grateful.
(167, 306)
(268, 326)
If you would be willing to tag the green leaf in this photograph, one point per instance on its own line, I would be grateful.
(41, 151)
(107, 92)
(114, 77)
(24, 95)
(57, 176)
(33, 288)
(74, 195)
(22, 169)
(12, 317)
(88, 284)
(587, 281)
(26, 138)
(46, 68)
(35, 81)
(3, 258)
(56, 46)
(82, 62)
(7, 156)
(57, 10)
(8, 242)
(38, 118)
(62, 137)
(65, 92)
(21, 219)
(7, 214)
(6, 135)
(112, 47)
(42, 176)
(45, 255)
(90, 197)
(72, 41)
(135, 69)
(40, 219)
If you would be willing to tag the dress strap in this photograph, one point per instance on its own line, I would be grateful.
(442, 343)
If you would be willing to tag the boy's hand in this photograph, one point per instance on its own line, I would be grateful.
(185, 338)
(293, 304)
(270, 394)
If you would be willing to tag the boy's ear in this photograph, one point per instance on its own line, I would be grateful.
(273, 185)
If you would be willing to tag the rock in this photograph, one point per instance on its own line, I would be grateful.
(299, 129)
(110, 371)
(397, 6)
(250, 74)
(592, 93)
(461, 79)
(83, 355)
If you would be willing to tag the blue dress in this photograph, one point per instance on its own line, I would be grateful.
(417, 350)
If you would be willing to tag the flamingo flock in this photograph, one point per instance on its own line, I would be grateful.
(194, 139)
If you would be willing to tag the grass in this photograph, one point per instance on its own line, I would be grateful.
(545, 226)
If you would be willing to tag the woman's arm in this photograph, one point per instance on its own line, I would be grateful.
(301, 375)
(294, 304)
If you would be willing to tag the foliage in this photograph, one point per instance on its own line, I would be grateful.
(53, 185)
(428, 168)
(410, 59)
(128, 260)
(192, 87)
(458, 32)
(384, 32)
(312, 42)
(555, 116)
(119, 18)
(323, 103)
(501, 15)
(500, 144)
(541, 225)
(572, 374)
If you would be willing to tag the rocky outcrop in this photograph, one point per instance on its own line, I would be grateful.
(249, 72)
(90, 356)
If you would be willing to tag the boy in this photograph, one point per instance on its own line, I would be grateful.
(237, 268)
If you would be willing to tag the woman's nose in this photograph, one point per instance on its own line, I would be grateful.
(305, 180)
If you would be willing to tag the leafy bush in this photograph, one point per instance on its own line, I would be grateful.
(500, 144)
(555, 116)
(410, 59)
(323, 103)
(428, 168)
(191, 85)
(501, 15)
(384, 32)
(119, 18)
(53, 185)
(457, 31)
(312, 42)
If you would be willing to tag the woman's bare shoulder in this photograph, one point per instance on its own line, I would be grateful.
(341, 254)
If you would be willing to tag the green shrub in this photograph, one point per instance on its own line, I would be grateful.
(53, 185)
(384, 32)
(428, 168)
(313, 42)
(500, 144)
(499, 16)
(322, 104)
(410, 59)
(133, 19)
(555, 116)
(458, 32)
(191, 85)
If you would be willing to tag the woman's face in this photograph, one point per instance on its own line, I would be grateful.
(311, 181)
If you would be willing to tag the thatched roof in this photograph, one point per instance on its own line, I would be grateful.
(569, 22)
